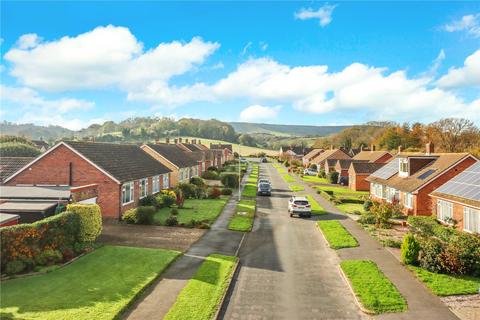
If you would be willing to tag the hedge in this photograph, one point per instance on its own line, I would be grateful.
(65, 235)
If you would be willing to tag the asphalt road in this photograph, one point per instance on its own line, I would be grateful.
(287, 271)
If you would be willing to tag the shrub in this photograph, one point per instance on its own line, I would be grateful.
(167, 200)
(130, 216)
(230, 180)
(313, 166)
(188, 190)
(197, 181)
(174, 212)
(90, 220)
(201, 192)
(212, 168)
(382, 212)
(392, 243)
(429, 258)
(150, 200)
(367, 218)
(140, 215)
(180, 199)
(367, 205)
(49, 257)
(214, 193)
(210, 175)
(227, 191)
(286, 163)
(321, 173)
(333, 177)
(171, 221)
(15, 266)
(410, 249)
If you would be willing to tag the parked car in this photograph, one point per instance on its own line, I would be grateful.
(264, 160)
(310, 172)
(263, 180)
(299, 206)
(264, 189)
(243, 160)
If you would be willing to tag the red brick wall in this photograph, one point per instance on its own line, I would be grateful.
(384, 159)
(360, 184)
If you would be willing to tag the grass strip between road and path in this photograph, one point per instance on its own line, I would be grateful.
(250, 188)
(296, 187)
(242, 220)
(99, 285)
(445, 284)
(351, 208)
(315, 179)
(337, 236)
(201, 297)
(375, 292)
(288, 178)
(317, 209)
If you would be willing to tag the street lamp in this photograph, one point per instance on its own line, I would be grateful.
(239, 172)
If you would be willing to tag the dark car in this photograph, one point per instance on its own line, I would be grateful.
(264, 189)
(264, 160)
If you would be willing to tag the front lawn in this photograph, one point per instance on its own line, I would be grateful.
(316, 207)
(337, 236)
(374, 290)
(296, 187)
(445, 284)
(288, 178)
(242, 220)
(206, 210)
(315, 179)
(352, 208)
(99, 285)
(201, 297)
(342, 190)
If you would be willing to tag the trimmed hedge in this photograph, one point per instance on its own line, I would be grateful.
(139, 215)
(90, 220)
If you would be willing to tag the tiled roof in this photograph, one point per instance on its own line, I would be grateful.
(175, 155)
(221, 146)
(10, 165)
(363, 167)
(345, 163)
(370, 155)
(439, 164)
(335, 154)
(191, 146)
(312, 154)
(125, 162)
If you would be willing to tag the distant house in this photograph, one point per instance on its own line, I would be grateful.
(201, 153)
(180, 162)
(306, 159)
(410, 178)
(333, 155)
(459, 199)
(359, 171)
(341, 166)
(123, 173)
(373, 156)
(10, 165)
(226, 150)
(40, 145)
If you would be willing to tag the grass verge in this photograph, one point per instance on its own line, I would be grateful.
(445, 284)
(337, 236)
(296, 187)
(201, 297)
(341, 191)
(288, 178)
(99, 285)
(242, 220)
(316, 207)
(373, 289)
(315, 179)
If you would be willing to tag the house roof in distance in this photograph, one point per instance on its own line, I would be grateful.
(125, 162)
(345, 163)
(370, 155)
(221, 146)
(174, 154)
(464, 187)
(312, 154)
(10, 165)
(364, 167)
(335, 154)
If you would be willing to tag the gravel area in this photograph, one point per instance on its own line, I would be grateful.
(466, 307)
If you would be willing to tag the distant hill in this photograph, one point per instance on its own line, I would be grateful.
(33, 131)
(285, 129)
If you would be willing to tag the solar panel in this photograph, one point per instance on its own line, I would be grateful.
(426, 174)
(387, 170)
(465, 185)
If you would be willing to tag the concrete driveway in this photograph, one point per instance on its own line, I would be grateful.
(287, 271)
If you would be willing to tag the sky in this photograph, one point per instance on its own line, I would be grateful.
(314, 63)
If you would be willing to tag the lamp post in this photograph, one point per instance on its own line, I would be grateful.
(239, 172)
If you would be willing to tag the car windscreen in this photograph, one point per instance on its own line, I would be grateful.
(264, 186)
(301, 202)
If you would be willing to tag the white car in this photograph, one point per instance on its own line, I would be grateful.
(299, 206)
(310, 172)
(263, 180)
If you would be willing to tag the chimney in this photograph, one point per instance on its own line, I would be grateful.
(179, 140)
(429, 148)
(167, 140)
(372, 147)
(399, 149)
(175, 140)
(199, 141)
(186, 140)
(331, 147)
(194, 141)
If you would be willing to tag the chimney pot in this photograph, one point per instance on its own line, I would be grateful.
(175, 140)
(331, 147)
(399, 149)
(372, 148)
(186, 140)
(167, 140)
(199, 141)
(429, 148)
(179, 140)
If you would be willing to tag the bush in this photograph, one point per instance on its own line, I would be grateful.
(14, 267)
(333, 177)
(367, 205)
(382, 212)
(410, 249)
(49, 257)
(180, 199)
(430, 255)
(286, 163)
(392, 243)
(174, 212)
(321, 173)
(210, 175)
(230, 180)
(90, 220)
(140, 215)
(199, 182)
(149, 200)
(214, 193)
(188, 190)
(313, 166)
(171, 221)
(166, 200)
(212, 168)
(367, 218)
(201, 192)
(227, 191)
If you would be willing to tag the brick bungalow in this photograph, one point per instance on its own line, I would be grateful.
(10, 165)
(180, 162)
(459, 199)
(226, 149)
(333, 155)
(410, 178)
(342, 166)
(201, 153)
(374, 156)
(124, 173)
(358, 172)
(306, 159)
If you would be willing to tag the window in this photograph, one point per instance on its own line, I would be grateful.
(378, 190)
(444, 211)
(143, 188)
(471, 220)
(403, 167)
(127, 193)
(155, 184)
(165, 181)
(408, 200)
(391, 194)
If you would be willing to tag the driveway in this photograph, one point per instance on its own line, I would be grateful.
(287, 271)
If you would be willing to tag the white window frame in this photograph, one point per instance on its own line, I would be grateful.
(471, 220)
(444, 211)
(166, 181)
(143, 192)
(156, 184)
(408, 200)
(403, 162)
(131, 185)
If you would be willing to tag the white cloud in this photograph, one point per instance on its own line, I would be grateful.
(28, 41)
(106, 56)
(469, 23)
(437, 62)
(323, 14)
(468, 75)
(255, 113)
(263, 46)
(246, 47)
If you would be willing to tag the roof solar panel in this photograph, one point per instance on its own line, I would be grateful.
(387, 170)
(465, 185)
(426, 174)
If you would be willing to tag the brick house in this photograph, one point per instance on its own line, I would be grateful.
(459, 199)
(10, 165)
(124, 173)
(342, 166)
(373, 156)
(358, 172)
(180, 162)
(201, 153)
(225, 149)
(410, 178)
(321, 160)
(306, 159)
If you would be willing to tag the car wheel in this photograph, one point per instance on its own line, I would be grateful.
(291, 215)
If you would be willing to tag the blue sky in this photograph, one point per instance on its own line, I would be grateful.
(77, 63)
